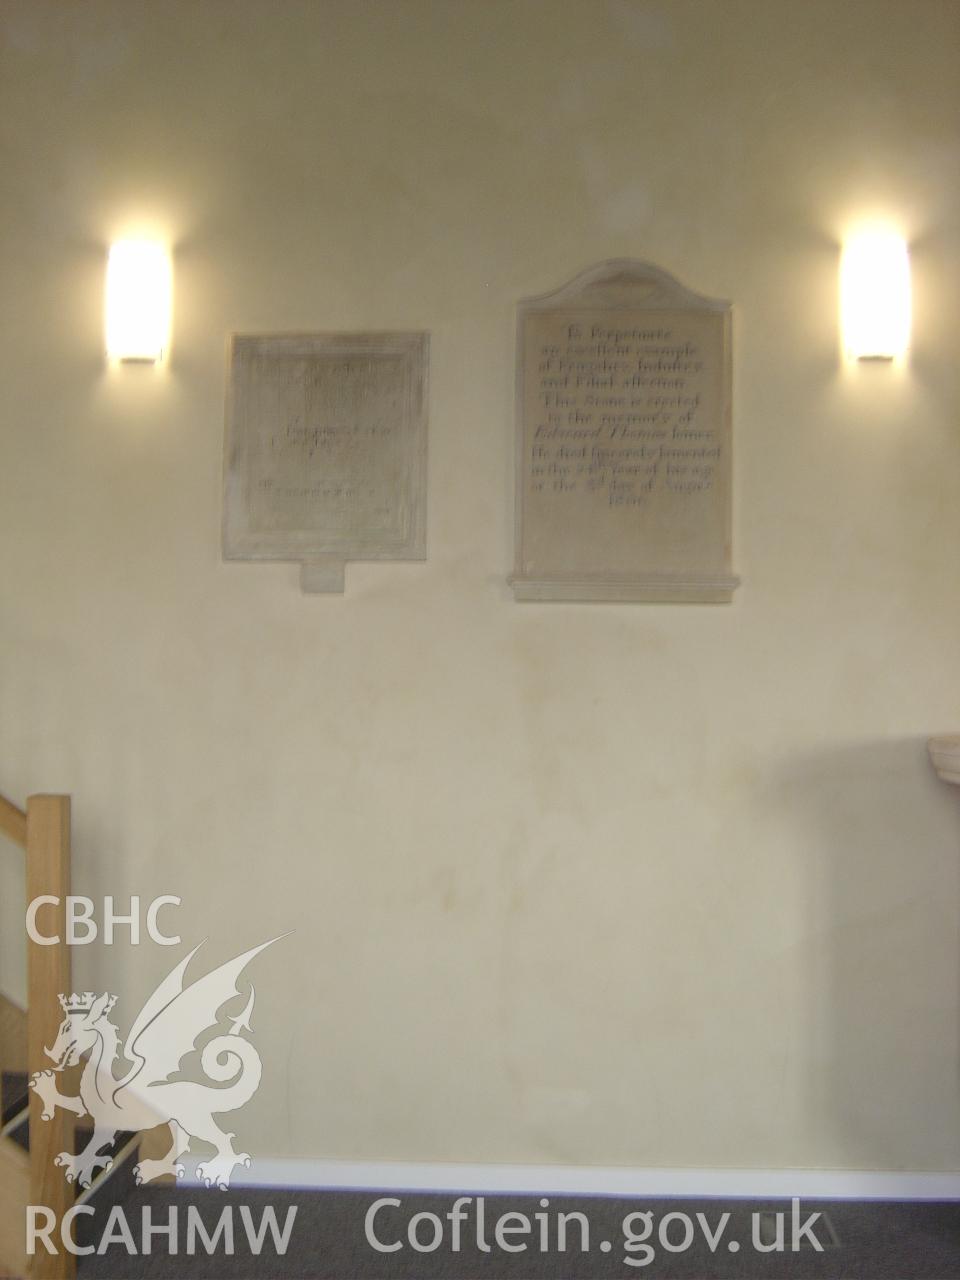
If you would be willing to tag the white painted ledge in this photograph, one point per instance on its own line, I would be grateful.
(488, 1179)
(945, 754)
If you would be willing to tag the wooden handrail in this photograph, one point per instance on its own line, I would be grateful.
(13, 822)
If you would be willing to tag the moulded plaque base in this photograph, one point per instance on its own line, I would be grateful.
(654, 589)
(323, 576)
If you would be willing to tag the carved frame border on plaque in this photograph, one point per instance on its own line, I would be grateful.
(255, 525)
(615, 289)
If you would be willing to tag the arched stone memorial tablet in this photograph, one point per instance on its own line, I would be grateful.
(325, 451)
(623, 441)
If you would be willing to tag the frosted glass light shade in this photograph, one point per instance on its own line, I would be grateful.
(875, 297)
(138, 301)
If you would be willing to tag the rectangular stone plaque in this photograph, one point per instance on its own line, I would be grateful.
(325, 451)
(623, 441)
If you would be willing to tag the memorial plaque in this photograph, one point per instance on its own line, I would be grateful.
(325, 454)
(623, 441)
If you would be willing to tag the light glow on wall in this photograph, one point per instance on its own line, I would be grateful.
(875, 296)
(139, 285)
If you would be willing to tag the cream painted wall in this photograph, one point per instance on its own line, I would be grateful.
(642, 885)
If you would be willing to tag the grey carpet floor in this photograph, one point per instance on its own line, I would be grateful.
(863, 1240)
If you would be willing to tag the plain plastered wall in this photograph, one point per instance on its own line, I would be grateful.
(605, 884)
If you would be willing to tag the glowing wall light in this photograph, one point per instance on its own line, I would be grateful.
(138, 301)
(875, 296)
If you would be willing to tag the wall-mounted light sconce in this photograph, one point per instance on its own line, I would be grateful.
(875, 296)
(138, 301)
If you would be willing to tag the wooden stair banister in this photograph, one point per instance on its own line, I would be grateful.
(44, 832)
(13, 823)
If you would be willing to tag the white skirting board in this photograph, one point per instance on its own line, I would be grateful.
(584, 1180)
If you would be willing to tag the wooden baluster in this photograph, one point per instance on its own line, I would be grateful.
(48, 974)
